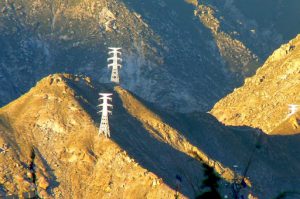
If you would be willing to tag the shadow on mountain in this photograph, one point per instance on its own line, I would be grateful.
(172, 20)
(53, 180)
(155, 156)
(266, 160)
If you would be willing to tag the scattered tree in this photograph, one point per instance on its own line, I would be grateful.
(210, 184)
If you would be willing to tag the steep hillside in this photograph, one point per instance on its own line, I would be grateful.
(262, 102)
(213, 44)
(51, 146)
(273, 17)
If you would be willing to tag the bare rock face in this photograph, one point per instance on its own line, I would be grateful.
(262, 102)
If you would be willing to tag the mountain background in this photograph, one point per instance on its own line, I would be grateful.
(183, 55)
(180, 60)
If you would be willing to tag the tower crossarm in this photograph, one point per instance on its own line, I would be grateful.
(114, 65)
(105, 98)
(114, 49)
(105, 94)
(105, 104)
(115, 59)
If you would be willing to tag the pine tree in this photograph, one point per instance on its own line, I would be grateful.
(210, 184)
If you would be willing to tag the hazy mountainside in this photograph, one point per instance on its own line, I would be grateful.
(262, 102)
(174, 51)
(51, 136)
(282, 16)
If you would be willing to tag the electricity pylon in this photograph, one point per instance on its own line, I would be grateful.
(104, 125)
(293, 108)
(115, 64)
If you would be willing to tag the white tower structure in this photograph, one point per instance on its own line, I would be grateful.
(293, 108)
(115, 63)
(104, 125)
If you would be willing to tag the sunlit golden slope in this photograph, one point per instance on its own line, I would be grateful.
(71, 161)
(54, 129)
(263, 100)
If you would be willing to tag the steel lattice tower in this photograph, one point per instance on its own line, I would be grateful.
(104, 125)
(115, 63)
(293, 108)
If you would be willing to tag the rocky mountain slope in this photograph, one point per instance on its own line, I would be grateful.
(49, 144)
(174, 51)
(50, 128)
(262, 102)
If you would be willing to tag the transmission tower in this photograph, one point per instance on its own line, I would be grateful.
(115, 63)
(104, 125)
(293, 108)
